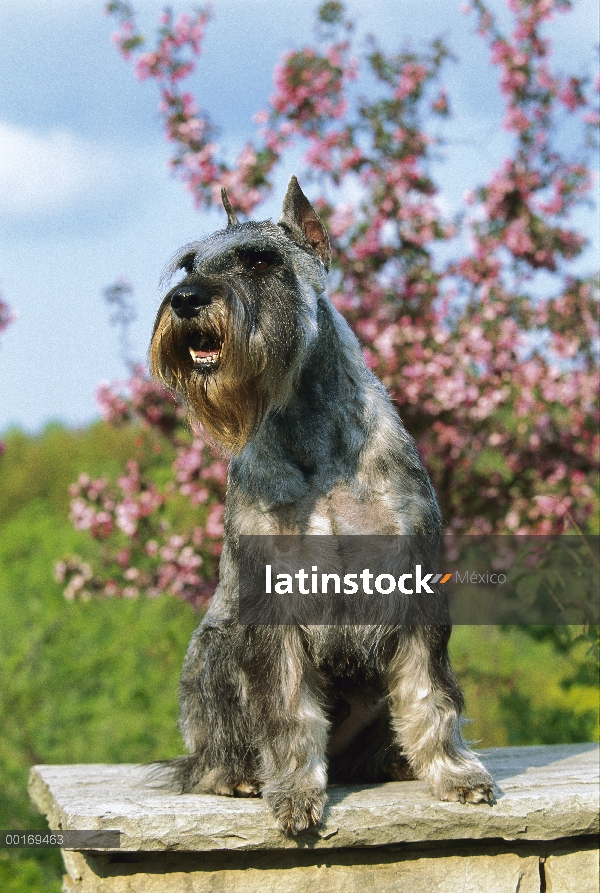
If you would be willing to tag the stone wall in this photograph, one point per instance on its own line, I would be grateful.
(540, 836)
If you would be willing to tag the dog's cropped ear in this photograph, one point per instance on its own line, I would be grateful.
(231, 215)
(301, 222)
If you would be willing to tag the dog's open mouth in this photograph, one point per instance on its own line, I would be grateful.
(205, 349)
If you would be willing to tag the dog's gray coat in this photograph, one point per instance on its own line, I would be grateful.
(317, 449)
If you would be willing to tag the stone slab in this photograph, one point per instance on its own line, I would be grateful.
(576, 872)
(286, 872)
(544, 793)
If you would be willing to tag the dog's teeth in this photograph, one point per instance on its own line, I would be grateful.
(209, 360)
(195, 354)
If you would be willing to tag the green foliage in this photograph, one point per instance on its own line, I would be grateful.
(31, 873)
(97, 681)
(80, 682)
(491, 461)
(520, 690)
(331, 13)
(45, 466)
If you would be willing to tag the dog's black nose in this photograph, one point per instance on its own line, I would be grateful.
(188, 300)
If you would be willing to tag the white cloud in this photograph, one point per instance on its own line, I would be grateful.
(41, 174)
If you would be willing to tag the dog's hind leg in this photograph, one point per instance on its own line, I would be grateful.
(425, 706)
(372, 756)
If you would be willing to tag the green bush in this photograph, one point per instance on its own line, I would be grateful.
(522, 691)
(20, 873)
(81, 682)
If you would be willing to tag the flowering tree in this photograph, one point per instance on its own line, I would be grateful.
(133, 518)
(489, 356)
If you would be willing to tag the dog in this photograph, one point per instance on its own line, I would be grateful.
(263, 361)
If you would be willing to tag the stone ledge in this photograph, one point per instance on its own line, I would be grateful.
(544, 793)
(493, 868)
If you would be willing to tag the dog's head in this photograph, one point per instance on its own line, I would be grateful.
(231, 338)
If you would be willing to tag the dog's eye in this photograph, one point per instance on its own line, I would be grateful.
(258, 261)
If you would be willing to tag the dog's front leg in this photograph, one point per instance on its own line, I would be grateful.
(425, 706)
(216, 716)
(292, 732)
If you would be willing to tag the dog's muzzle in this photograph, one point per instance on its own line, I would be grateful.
(188, 301)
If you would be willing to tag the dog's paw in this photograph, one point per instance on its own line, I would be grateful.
(400, 770)
(479, 793)
(234, 789)
(246, 789)
(215, 781)
(297, 810)
(470, 787)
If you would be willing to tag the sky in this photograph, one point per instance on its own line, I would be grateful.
(85, 191)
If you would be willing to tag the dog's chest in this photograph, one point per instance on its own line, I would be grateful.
(340, 512)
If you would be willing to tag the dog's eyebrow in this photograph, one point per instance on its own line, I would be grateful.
(187, 262)
(183, 259)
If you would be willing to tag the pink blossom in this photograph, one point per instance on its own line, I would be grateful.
(261, 118)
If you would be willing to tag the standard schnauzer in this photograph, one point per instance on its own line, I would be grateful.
(265, 363)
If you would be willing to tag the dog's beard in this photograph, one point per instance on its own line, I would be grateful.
(229, 378)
